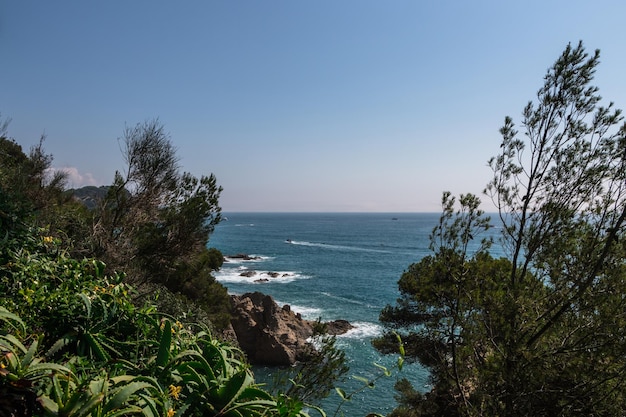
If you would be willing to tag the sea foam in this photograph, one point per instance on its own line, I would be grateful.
(309, 313)
(362, 330)
(244, 275)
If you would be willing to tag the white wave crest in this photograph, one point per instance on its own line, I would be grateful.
(335, 247)
(244, 275)
(362, 330)
(248, 259)
(309, 313)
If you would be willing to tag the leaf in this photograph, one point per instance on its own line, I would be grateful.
(97, 349)
(233, 387)
(165, 344)
(190, 375)
(88, 407)
(386, 371)
(14, 342)
(123, 394)
(7, 316)
(362, 379)
(60, 345)
(99, 268)
(30, 354)
(150, 408)
(342, 393)
(98, 386)
(133, 409)
(49, 405)
(45, 368)
(86, 302)
(252, 393)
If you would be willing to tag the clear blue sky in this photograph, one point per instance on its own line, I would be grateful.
(295, 105)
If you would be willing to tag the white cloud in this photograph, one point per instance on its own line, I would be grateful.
(75, 179)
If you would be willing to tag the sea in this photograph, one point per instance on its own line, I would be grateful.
(332, 266)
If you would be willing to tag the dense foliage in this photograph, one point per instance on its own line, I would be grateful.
(155, 223)
(540, 332)
(72, 343)
(75, 338)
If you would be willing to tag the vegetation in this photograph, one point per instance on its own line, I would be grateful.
(76, 337)
(313, 379)
(539, 332)
(72, 343)
(155, 223)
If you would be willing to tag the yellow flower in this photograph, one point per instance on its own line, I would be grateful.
(170, 412)
(174, 392)
(48, 239)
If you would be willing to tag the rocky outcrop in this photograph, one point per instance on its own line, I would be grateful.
(267, 333)
(337, 327)
(274, 335)
(242, 257)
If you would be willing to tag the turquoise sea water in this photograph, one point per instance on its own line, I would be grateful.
(333, 266)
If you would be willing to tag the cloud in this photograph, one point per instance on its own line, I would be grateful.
(75, 179)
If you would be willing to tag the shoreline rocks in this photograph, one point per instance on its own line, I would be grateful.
(274, 335)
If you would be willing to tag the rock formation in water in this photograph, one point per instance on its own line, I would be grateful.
(274, 335)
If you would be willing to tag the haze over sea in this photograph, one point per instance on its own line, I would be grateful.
(333, 266)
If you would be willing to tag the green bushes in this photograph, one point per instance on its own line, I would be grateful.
(75, 338)
(72, 343)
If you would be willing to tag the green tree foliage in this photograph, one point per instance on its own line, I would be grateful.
(539, 332)
(155, 222)
(314, 378)
(28, 188)
(75, 337)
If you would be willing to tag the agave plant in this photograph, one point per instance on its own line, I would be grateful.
(103, 396)
(207, 377)
(21, 370)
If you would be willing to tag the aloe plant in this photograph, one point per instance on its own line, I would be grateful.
(73, 344)
(103, 397)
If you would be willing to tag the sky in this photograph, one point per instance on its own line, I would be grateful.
(295, 106)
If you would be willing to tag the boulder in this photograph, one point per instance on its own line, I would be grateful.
(267, 333)
(337, 327)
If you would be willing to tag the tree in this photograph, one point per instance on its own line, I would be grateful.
(155, 222)
(28, 187)
(539, 332)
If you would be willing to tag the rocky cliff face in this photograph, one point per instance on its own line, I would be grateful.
(269, 334)
(273, 335)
